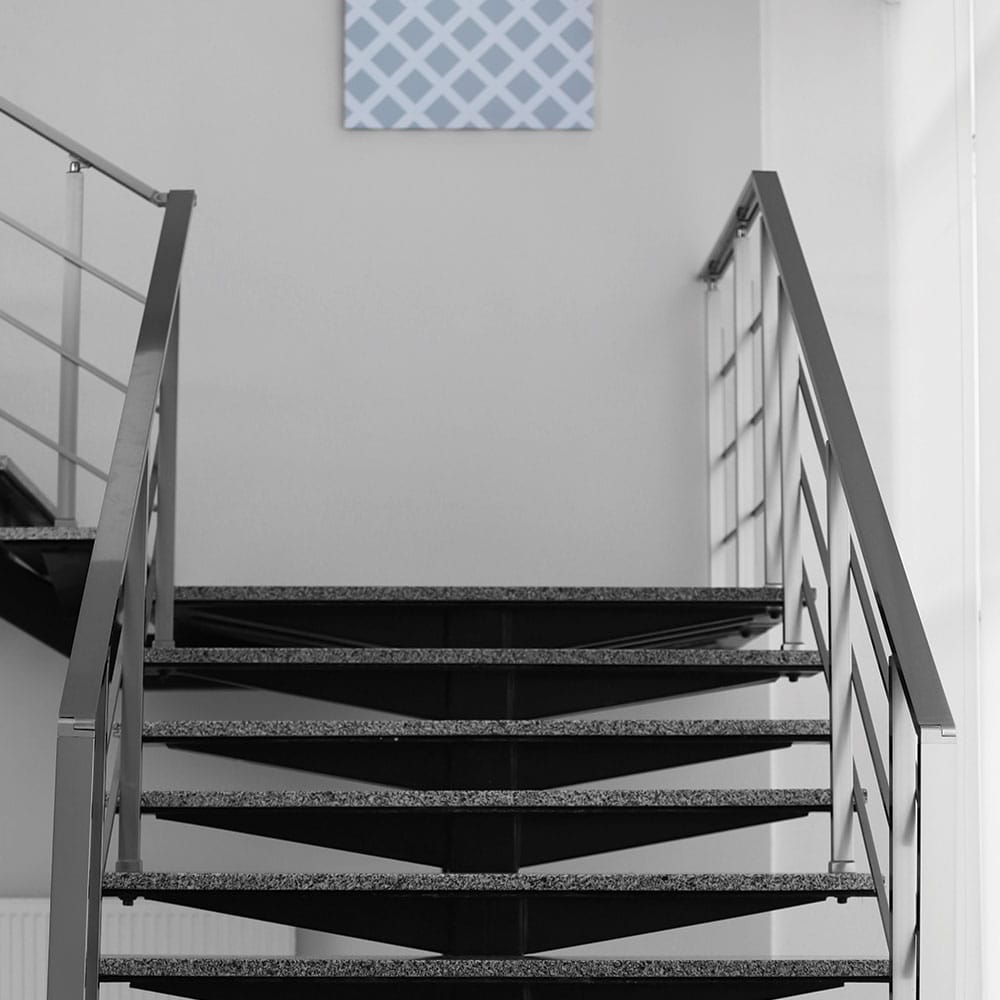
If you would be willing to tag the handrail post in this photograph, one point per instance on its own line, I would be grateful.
(166, 490)
(841, 707)
(715, 395)
(746, 548)
(69, 374)
(770, 380)
(904, 867)
(74, 917)
(791, 465)
(132, 649)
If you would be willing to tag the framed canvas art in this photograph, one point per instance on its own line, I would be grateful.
(469, 64)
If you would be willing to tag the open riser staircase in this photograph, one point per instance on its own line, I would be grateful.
(487, 739)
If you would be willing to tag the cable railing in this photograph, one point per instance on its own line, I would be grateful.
(67, 347)
(129, 591)
(770, 364)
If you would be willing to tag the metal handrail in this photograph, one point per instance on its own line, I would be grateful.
(80, 152)
(107, 565)
(106, 661)
(924, 691)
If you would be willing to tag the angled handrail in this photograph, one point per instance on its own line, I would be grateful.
(80, 152)
(894, 596)
(107, 565)
(762, 307)
(105, 667)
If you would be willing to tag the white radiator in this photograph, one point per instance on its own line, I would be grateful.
(143, 929)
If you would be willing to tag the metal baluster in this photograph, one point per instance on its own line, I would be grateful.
(838, 538)
(791, 467)
(772, 412)
(69, 374)
(166, 494)
(132, 647)
(746, 548)
(904, 879)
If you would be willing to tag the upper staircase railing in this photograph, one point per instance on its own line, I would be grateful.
(770, 363)
(68, 346)
(128, 592)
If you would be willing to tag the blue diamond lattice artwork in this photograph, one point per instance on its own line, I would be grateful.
(469, 64)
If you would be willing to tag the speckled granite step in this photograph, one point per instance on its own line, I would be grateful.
(495, 800)
(484, 729)
(783, 661)
(47, 534)
(452, 754)
(477, 883)
(476, 682)
(485, 830)
(492, 979)
(488, 913)
(481, 594)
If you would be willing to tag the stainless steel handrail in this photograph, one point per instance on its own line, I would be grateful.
(107, 565)
(106, 662)
(924, 691)
(80, 152)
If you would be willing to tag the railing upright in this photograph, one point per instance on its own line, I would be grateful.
(69, 373)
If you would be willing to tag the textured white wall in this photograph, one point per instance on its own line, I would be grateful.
(987, 21)
(428, 358)
(422, 357)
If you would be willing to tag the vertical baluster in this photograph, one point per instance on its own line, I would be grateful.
(770, 379)
(839, 630)
(132, 646)
(904, 865)
(715, 395)
(166, 499)
(791, 465)
(69, 374)
(746, 547)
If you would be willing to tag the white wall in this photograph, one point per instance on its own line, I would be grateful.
(987, 50)
(429, 358)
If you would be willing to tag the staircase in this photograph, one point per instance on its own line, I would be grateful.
(473, 782)
(504, 736)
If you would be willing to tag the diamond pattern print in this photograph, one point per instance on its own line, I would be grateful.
(469, 64)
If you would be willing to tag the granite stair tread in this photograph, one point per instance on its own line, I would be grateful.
(489, 977)
(809, 729)
(45, 533)
(488, 594)
(437, 656)
(493, 799)
(836, 884)
(485, 830)
(484, 753)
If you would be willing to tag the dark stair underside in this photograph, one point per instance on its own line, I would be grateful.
(42, 573)
(516, 979)
(475, 683)
(452, 754)
(478, 831)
